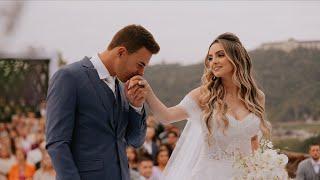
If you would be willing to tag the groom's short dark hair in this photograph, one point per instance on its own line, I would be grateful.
(134, 37)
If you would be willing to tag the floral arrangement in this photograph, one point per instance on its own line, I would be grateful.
(264, 164)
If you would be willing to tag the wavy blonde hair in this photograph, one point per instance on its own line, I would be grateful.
(213, 92)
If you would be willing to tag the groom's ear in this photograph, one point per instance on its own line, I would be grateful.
(122, 51)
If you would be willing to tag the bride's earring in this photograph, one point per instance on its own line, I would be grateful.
(214, 78)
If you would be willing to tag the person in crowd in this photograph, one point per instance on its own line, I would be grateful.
(165, 147)
(7, 160)
(22, 139)
(153, 123)
(146, 167)
(162, 159)
(163, 134)
(46, 172)
(132, 155)
(150, 145)
(22, 169)
(309, 169)
(35, 155)
(172, 139)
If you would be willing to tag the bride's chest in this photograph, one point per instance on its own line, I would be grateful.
(232, 132)
(236, 131)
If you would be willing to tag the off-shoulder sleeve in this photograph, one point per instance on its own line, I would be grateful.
(189, 105)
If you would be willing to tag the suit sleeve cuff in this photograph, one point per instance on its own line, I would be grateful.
(137, 109)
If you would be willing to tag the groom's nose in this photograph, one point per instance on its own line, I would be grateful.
(141, 72)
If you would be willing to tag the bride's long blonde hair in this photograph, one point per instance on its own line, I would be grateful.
(213, 92)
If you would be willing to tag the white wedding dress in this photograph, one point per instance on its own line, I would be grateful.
(194, 159)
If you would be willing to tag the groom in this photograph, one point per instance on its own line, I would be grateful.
(91, 116)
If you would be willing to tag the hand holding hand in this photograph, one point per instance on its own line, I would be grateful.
(137, 89)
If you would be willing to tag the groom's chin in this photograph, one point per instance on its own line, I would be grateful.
(123, 79)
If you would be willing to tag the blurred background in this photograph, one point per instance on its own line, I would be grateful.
(39, 37)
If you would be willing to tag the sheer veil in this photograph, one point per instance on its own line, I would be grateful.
(187, 150)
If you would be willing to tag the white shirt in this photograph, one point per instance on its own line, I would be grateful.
(34, 156)
(148, 146)
(6, 164)
(157, 174)
(104, 75)
(316, 165)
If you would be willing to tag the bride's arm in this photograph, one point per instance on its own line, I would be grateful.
(172, 114)
(254, 143)
(161, 112)
(164, 114)
(255, 139)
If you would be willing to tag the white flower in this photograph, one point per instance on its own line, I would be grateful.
(283, 159)
(270, 145)
(266, 163)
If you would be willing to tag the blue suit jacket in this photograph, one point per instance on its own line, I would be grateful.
(81, 139)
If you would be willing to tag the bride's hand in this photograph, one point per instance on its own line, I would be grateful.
(138, 88)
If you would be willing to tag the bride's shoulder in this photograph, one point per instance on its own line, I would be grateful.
(195, 95)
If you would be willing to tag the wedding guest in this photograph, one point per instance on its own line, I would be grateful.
(172, 139)
(162, 159)
(35, 155)
(46, 172)
(150, 145)
(309, 169)
(23, 139)
(132, 155)
(134, 175)
(145, 167)
(22, 169)
(7, 160)
(153, 123)
(166, 129)
(165, 147)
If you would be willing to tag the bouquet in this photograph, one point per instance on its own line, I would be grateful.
(264, 164)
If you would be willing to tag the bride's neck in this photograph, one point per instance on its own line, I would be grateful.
(229, 86)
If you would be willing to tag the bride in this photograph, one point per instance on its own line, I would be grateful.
(226, 115)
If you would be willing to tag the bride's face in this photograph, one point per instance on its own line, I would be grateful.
(219, 62)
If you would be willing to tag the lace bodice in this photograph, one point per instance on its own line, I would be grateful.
(236, 139)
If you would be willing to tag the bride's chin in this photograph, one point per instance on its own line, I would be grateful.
(217, 75)
(221, 74)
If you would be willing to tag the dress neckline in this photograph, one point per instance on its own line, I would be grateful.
(238, 120)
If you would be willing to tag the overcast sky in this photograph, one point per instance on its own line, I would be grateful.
(183, 29)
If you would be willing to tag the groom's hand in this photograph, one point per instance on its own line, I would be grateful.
(136, 91)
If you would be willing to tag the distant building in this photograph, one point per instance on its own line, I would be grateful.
(291, 44)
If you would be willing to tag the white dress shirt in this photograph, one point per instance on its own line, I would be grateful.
(316, 165)
(104, 75)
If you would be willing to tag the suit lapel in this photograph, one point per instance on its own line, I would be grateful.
(124, 102)
(105, 93)
(124, 107)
